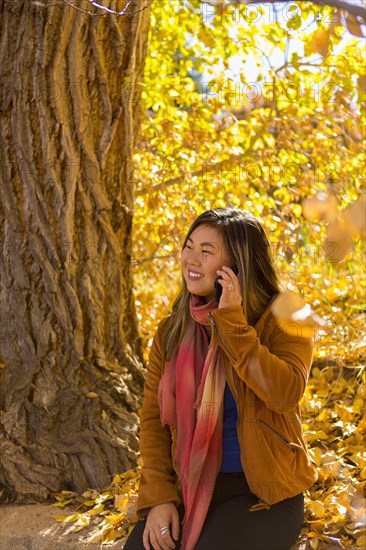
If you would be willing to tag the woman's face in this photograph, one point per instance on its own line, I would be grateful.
(203, 254)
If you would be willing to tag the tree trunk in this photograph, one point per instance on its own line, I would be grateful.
(71, 360)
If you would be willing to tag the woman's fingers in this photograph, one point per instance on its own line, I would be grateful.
(228, 279)
(230, 276)
(175, 524)
(231, 295)
(160, 542)
(166, 541)
(159, 516)
(157, 540)
(145, 539)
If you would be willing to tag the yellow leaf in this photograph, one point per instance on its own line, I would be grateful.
(361, 541)
(355, 529)
(297, 210)
(110, 536)
(314, 435)
(82, 522)
(67, 519)
(295, 316)
(129, 474)
(89, 502)
(357, 407)
(96, 510)
(116, 479)
(353, 25)
(354, 217)
(345, 413)
(120, 502)
(338, 241)
(320, 42)
(319, 207)
(316, 455)
(317, 508)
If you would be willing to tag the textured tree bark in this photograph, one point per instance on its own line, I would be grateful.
(71, 360)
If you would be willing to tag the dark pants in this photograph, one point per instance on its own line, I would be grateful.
(230, 526)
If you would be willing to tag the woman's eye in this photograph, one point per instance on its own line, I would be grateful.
(203, 251)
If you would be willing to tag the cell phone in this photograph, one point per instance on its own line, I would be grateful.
(218, 287)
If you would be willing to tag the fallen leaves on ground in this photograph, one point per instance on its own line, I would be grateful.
(334, 423)
(110, 513)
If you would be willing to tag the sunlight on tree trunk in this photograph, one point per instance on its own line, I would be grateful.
(71, 358)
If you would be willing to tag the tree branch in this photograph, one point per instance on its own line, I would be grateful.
(355, 9)
(103, 10)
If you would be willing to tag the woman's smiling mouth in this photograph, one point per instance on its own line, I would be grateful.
(193, 275)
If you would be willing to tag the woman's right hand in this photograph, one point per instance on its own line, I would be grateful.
(161, 515)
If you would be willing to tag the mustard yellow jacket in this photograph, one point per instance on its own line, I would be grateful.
(267, 368)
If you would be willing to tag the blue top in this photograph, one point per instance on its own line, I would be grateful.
(230, 444)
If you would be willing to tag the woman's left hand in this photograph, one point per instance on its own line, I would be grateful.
(231, 292)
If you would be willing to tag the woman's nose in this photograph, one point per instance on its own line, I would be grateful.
(195, 257)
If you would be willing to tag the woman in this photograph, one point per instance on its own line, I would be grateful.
(224, 460)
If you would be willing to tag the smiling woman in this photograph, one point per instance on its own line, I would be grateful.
(220, 433)
(204, 256)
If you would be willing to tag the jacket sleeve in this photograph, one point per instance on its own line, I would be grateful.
(157, 474)
(276, 374)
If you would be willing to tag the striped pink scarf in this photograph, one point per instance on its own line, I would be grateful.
(190, 396)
